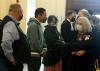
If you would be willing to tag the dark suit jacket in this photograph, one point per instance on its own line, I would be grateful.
(54, 46)
(66, 32)
(96, 41)
(68, 36)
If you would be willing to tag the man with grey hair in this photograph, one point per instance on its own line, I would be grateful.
(85, 25)
(14, 46)
(84, 13)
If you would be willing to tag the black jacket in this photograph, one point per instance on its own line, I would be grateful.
(96, 41)
(66, 32)
(54, 46)
(90, 51)
(21, 50)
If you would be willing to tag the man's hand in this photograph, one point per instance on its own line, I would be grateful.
(44, 51)
(80, 53)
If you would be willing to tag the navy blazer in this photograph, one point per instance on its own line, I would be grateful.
(66, 32)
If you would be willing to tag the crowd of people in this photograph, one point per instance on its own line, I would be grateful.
(75, 48)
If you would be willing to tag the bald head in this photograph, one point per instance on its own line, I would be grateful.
(14, 7)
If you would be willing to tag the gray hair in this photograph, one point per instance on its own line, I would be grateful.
(86, 26)
(85, 13)
(15, 7)
(96, 22)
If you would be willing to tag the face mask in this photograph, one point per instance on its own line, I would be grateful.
(53, 24)
(79, 28)
(20, 18)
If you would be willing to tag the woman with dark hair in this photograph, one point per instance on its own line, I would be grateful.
(52, 60)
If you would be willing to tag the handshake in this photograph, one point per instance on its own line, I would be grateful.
(38, 54)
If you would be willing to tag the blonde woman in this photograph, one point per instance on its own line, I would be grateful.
(83, 56)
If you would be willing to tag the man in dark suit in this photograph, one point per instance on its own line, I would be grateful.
(68, 33)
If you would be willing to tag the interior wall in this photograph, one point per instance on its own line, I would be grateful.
(31, 6)
(56, 7)
(23, 21)
(4, 6)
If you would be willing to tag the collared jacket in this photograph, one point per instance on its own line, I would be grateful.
(35, 35)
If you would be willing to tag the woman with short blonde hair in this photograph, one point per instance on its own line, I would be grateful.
(83, 56)
(85, 23)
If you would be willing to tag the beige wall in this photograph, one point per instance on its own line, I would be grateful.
(56, 7)
(53, 7)
(23, 21)
(4, 7)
